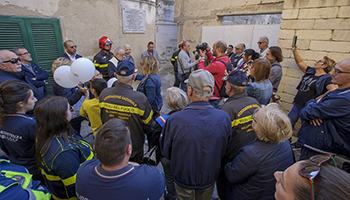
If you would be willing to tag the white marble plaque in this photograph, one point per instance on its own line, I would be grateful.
(134, 20)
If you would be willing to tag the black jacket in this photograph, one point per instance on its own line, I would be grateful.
(101, 61)
(123, 102)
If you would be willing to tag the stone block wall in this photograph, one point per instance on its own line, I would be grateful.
(192, 15)
(323, 29)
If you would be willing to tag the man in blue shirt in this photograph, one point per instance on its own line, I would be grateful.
(325, 125)
(36, 74)
(195, 140)
(112, 176)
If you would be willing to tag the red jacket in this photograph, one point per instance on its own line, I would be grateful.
(217, 69)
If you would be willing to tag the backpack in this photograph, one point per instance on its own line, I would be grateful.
(222, 91)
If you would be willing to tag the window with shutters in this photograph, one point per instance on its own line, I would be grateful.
(42, 37)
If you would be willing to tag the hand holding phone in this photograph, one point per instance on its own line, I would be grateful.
(294, 41)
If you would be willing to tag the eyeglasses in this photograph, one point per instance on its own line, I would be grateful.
(237, 48)
(253, 117)
(25, 53)
(13, 60)
(74, 46)
(338, 71)
(311, 171)
(260, 42)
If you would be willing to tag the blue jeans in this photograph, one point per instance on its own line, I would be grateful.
(183, 85)
(294, 114)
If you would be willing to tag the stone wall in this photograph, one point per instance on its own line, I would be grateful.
(191, 15)
(85, 21)
(323, 29)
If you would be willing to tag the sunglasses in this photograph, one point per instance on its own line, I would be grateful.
(74, 46)
(311, 171)
(13, 60)
(338, 71)
(260, 42)
(25, 53)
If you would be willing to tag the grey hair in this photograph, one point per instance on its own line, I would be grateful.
(16, 50)
(202, 95)
(237, 89)
(272, 124)
(176, 98)
(266, 39)
(116, 51)
(124, 79)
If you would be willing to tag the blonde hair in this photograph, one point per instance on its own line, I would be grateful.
(176, 98)
(59, 62)
(149, 65)
(272, 124)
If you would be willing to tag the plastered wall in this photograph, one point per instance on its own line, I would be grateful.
(85, 21)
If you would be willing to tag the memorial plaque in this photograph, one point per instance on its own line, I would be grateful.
(134, 20)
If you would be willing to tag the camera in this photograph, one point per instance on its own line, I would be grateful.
(202, 47)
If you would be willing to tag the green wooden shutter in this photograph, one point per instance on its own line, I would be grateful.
(42, 37)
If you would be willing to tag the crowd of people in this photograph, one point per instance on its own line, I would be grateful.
(224, 128)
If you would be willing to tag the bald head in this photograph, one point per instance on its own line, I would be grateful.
(239, 48)
(9, 61)
(219, 48)
(341, 74)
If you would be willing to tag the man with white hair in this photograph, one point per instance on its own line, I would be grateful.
(122, 102)
(263, 44)
(11, 68)
(195, 139)
(119, 54)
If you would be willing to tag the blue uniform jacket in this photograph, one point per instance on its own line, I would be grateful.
(17, 140)
(333, 135)
(40, 75)
(17, 183)
(61, 163)
(151, 90)
(195, 140)
(143, 182)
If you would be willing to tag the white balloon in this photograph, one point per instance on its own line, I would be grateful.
(64, 77)
(111, 81)
(83, 69)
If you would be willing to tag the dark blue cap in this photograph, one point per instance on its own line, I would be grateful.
(237, 77)
(125, 68)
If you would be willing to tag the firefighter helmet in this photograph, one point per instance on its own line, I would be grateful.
(104, 40)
